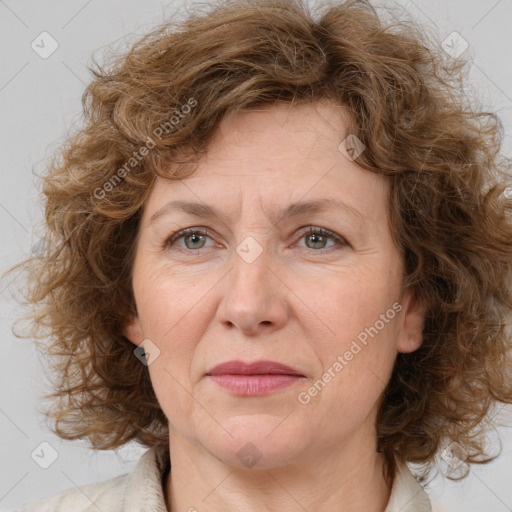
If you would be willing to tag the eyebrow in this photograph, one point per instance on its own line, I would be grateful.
(297, 209)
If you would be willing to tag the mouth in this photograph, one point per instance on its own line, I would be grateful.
(252, 379)
(237, 367)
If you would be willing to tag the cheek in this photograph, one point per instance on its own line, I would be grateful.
(353, 304)
(358, 353)
(170, 310)
(172, 315)
(165, 298)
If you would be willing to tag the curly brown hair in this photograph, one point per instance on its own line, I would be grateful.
(154, 110)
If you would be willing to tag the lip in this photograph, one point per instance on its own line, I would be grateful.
(253, 379)
(263, 367)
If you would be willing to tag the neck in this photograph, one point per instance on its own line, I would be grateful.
(348, 479)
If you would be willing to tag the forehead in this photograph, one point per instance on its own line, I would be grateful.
(276, 156)
(286, 133)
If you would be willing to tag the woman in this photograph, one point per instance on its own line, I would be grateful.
(279, 255)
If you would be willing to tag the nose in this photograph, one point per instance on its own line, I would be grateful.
(255, 297)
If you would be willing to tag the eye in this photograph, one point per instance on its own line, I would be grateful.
(193, 238)
(196, 238)
(317, 238)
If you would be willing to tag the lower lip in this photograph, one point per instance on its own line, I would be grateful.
(248, 385)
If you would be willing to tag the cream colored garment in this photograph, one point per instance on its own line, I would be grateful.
(142, 491)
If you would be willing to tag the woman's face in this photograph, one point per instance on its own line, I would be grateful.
(266, 283)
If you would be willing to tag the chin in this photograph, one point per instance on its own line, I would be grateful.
(257, 441)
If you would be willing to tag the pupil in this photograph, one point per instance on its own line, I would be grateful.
(316, 239)
(195, 238)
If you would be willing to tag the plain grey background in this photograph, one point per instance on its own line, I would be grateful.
(40, 102)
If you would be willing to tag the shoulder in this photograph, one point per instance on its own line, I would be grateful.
(142, 489)
(407, 494)
(107, 495)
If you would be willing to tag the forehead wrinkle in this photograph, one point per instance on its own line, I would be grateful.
(303, 208)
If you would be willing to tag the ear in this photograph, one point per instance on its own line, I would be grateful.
(410, 336)
(133, 330)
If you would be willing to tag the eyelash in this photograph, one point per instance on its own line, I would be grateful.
(307, 232)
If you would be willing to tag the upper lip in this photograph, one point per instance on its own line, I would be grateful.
(236, 367)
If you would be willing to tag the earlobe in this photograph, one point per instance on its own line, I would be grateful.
(133, 330)
(414, 343)
(411, 335)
